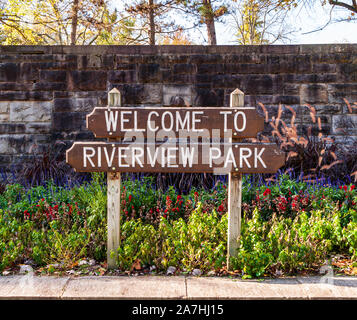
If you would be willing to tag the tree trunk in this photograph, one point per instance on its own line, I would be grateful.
(152, 23)
(74, 22)
(209, 21)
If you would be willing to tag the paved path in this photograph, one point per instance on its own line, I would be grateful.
(175, 287)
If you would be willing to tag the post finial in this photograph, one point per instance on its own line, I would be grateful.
(114, 98)
(237, 99)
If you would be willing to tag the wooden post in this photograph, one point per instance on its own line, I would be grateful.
(113, 198)
(234, 193)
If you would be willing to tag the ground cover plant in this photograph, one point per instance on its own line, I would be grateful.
(289, 226)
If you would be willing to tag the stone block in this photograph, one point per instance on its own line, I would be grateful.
(7, 128)
(26, 95)
(53, 75)
(29, 71)
(68, 121)
(122, 76)
(14, 143)
(245, 68)
(324, 68)
(4, 117)
(286, 99)
(313, 93)
(9, 71)
(171, 93)
(211, 68)
(134, 94)
(322, 109)
(205, 97)
(149, 72)
(347, 72)
(87, 80)
(15, 86)
(204, 58)
(344, 123)
(30, 111)
(96, 61)
(49, 86)
(257, 84)
(244, 58)
(74, 104)
(38, 127)
(222, 80)
(4, 106)
(184, 68)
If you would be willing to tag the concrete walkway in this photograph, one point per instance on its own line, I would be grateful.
(175, 287)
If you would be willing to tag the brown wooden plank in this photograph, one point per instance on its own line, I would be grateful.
(170, 157)
(148, 121)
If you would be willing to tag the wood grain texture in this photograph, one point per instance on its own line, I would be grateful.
(154, 157)
(234, 194)
(113, 217)
(113, 198)
(237, 122)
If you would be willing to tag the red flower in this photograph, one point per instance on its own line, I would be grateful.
(345, 188)
(220, 208)
(266, 192)
(165, 215)
(178, 197)
(196, 194)
(130, 197)
(352, 187)
(340, 187)
(165, 211)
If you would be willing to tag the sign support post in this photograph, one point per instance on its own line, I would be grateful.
(113, 197)
(114, 121)
(234, 193)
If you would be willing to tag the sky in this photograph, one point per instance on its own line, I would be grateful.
(303, 20)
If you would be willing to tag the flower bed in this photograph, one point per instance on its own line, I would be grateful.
(289, 227)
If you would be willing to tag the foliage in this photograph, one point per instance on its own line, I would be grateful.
(307, 153)
(259, 22)
(55, 224)
(198, 243)
(62, 22)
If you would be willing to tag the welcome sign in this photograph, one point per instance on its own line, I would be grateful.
(174, 139)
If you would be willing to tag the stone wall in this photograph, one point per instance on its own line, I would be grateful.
(45, 92)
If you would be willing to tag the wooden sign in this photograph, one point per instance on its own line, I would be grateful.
(176, 155)
(171, 157)
(148, 121)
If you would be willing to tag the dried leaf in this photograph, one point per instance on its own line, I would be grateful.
(319, 123)
(312, 115)
(136, 265)
(327, 167)
(348, 105)
(280, 111)
(265, 111)
(291, 110)
(291, 154)
(354, 174)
